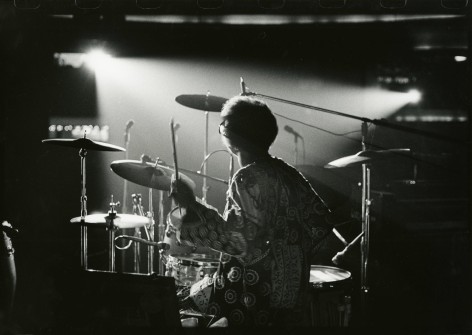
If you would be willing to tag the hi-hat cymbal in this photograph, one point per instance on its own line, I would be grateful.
(145, 174)
(121, 221)
(203, 102)
(364, 157)
(83, 143)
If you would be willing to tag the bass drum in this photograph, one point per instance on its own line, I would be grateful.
(331, 296)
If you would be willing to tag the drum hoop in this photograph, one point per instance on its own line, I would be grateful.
(333, 283)
(184, 259)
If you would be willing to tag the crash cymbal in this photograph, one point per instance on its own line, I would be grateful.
(84, 143)
(147, 174)
(170, 169)
(203, 102)
(364, 157)
(121, 221)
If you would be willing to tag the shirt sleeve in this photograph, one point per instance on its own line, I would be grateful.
(235, 231)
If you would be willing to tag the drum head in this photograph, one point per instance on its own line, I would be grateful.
(327, 276)
(200, 258)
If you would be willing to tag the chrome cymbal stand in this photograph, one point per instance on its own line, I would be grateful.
(111, 235)
(365, 217)
(161, 228)
(83, 211)
(150, 234)
(205, 187)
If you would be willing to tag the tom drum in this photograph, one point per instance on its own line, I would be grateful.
(331, 296)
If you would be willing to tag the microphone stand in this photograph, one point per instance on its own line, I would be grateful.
(295, 152)
(125, 183)
(83, 210)
(151, 233)
(205, 153)
(161, 228)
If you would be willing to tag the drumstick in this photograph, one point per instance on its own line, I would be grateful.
(174, 150)
(176, 167)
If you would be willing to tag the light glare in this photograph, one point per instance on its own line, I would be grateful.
(414, 96)
(96, 59)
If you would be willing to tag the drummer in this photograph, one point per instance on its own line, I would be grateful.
(272, 223)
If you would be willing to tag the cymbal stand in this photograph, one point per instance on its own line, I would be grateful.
(205, 153)
(365, 217)
(83, 211)
(125, 182)
(150, 233)
(111, 235)
(161, 229)
(138, 210)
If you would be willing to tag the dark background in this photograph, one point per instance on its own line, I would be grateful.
(420, 243)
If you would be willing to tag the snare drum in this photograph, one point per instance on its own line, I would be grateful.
(188, 271)
(331, 296)
(188, 263)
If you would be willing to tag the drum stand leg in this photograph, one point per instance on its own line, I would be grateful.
(366, 202)
(137, 256)
(83, 211)
(111, 249)
(150, 249)
(83, 247)
(161, 230)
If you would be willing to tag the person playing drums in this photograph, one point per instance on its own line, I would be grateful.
(272, 223)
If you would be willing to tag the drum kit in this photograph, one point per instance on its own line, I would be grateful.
(187, 263)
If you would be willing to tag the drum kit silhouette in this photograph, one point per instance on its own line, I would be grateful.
(187, 263)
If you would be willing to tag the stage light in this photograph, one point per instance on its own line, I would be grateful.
(414, 96)
(96, 59)
(460, 58)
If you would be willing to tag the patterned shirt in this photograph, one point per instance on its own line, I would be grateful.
(272, 222)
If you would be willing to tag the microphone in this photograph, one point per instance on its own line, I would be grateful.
(243, 86)
(337, 259)
(290, 130)
(128, 126)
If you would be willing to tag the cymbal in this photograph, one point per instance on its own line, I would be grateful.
(121, 221)
(148, 175)
(194, 173)
(364, 157)
(203, 102)
(83, 143)
(198, 174)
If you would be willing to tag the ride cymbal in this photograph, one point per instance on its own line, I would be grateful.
(364, 157)
(147, 175)
(83, 143)
(203, 102)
